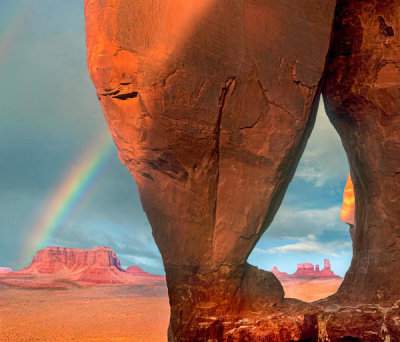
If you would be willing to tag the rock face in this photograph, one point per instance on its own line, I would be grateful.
(97, 265)
(348, 206)
(362, 100)
(210, 105)
(211, 117)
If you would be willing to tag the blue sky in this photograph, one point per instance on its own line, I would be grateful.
(50, 112)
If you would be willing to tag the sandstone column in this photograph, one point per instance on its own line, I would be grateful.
(210, 104)
(362, 98)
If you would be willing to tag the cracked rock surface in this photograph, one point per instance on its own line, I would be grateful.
(210, 104)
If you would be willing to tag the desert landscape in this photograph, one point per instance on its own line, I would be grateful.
(94, 299)
(233, 118)
(309, 283)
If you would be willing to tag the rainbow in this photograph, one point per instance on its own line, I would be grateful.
(11, 28)
(70, 194)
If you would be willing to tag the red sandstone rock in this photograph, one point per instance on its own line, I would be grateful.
(347, 212)
(196, 135)
(59, 259)
(98, 265)
(362, 100)
(210, 105)
(307, 270)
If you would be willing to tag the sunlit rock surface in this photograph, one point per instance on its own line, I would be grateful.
(347, 212)
(210, 105)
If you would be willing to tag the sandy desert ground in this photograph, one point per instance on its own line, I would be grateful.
(310, 290)
(99, 313)
(137, 313)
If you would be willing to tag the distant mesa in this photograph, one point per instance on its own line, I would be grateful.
(99, 265)
(5, 269)
(307, 270)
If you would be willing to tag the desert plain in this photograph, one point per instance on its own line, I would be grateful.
(133, 312)
(97, 313)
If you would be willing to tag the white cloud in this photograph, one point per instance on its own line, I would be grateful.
(310, 244)
(292, 222)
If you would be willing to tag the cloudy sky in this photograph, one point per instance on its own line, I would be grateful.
(49, 114)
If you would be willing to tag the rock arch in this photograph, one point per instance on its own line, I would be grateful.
(210, 105)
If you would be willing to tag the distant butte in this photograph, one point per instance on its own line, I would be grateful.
(96, 266)
(307, 270)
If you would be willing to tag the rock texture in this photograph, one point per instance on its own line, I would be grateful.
(210, 105)
(362, 100)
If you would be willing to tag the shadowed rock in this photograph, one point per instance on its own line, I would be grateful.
(362, 100)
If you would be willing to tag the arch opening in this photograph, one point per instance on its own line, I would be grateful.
(307, 246)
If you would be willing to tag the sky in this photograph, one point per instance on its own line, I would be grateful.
(52, 127)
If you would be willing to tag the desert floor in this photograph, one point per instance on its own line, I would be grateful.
(99, 313)
(135, 313)
(310, 290)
